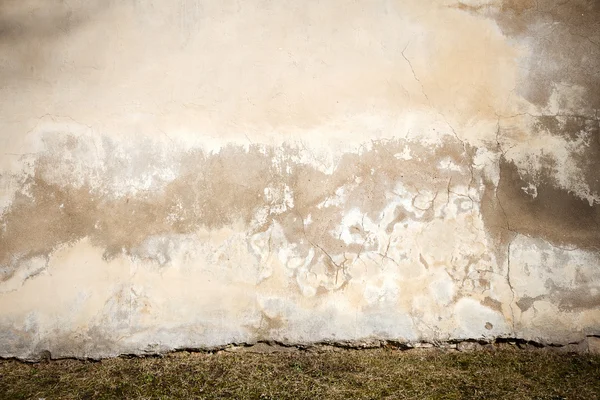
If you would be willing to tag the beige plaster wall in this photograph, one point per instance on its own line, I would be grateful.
(188, 174)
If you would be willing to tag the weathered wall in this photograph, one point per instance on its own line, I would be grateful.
(193, 173)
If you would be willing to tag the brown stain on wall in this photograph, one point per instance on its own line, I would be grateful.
(517, 6)
(563, 38)
(29, 29)
(581, 298)
(555, 215)
(563, 41)
(565, 45)
(574, 128)
(213, 190)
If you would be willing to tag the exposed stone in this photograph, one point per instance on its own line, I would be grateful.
(262, 348)
(593, 344)
(468, 346)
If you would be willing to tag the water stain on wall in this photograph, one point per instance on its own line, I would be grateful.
(554, 214)
(213, 190)
(564, 40)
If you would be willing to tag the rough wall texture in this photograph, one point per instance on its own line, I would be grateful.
(192, 173)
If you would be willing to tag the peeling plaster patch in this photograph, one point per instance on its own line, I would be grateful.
(162, 248)
(548, 280)
(87, 160)
(404, 155)
(531, 190)
(28, 270)
(448, 164)
(541, 155)
(539, 267)
(336, 200)
(279, 200)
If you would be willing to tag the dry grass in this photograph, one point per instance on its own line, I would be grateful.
(358, 374)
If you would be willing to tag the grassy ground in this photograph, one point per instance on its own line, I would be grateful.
(347, 374)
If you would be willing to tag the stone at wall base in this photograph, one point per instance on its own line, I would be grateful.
(593, 344)
(468, 346)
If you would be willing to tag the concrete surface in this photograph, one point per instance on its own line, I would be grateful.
(189, 174)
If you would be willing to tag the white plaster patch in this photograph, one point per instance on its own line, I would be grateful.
(536, 266)
(442, 288)
(449, 165)
(280, 199)
(28, 269)
(477, 321)
(386, 291)
(529, 157)
(530, 190)
(404, 155)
